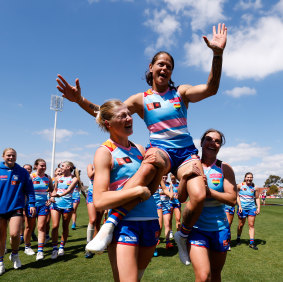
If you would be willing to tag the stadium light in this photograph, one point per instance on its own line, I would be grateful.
(55, 105)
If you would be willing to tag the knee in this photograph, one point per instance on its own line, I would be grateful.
(156, 159)
(203, 276)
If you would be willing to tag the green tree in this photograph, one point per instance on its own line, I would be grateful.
(273, 189)
(273, 180)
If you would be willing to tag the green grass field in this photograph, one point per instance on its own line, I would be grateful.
(242, 264)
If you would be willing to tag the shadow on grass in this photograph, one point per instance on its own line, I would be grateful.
(247, 242)
(163, 252)
(70, 254)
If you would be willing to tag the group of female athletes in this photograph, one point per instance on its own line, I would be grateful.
(126, 176)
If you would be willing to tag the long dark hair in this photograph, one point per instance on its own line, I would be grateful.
(213, 130)
(148, 74)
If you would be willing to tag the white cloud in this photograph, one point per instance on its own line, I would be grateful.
(201, 12)
(166, 26)
(92, 1)
(245, 5)
(278, 8)
(252, 52)
(242, 152)
(90, 146)
(237, 92)
(61, 134)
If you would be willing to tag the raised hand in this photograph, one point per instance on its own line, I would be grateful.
(218, 42)
(72, 93)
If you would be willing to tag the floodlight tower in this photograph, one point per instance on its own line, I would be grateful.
(55, 105)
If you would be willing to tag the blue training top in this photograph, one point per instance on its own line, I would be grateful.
(213, 216)
(15, 184)
(40, 185)
(65, 202)
(165, 115)
(125, 163)
(247, 196)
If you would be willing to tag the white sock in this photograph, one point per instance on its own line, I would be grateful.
(89, 232)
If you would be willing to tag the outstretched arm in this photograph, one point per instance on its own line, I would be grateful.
(197, 93)
(73, 94)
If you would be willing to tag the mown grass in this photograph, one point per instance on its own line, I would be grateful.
(242, 264)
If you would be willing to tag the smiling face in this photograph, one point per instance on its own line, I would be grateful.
(65, 169)
(10, 157)
(249, 179)
(161, 71)
(28, 168)
(122, 122)
(41, 167)
(211, 144)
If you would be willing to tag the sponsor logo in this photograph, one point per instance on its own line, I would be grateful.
(14, 182)
(215, 175)
(125, 160)
(174, 100)
(36, 182)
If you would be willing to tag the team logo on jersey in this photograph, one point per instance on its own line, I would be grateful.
(125, 160)
(215, 182)
(15, 177)
(245, 189)
(225, 242)
(152, 106)
(252, 190)
(36, 182)
(140, 157)
(61, 181)
(69, 183)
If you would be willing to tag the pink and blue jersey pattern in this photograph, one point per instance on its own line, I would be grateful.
(247, 196)
(40, 185)
(213, 216)
(126, 162)
(165, 115)
(65, 202)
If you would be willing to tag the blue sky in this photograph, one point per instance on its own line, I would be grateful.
(108, 45)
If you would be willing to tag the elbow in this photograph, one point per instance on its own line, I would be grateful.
(98, 205)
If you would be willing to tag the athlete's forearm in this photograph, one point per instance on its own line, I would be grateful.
(215, 75)
(88, 106)
(113, 199)
(225, 198)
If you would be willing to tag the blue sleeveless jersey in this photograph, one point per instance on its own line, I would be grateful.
(40, 185)
(90, 187)
(76, 192)
(65, 202)
(213, 216)
(165, 115)
(126, 162)
(175, 200)
(247, 196)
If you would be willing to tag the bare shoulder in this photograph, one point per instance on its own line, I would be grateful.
(227, 168)
(135, 103)
(102, 156)
(141, 149)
